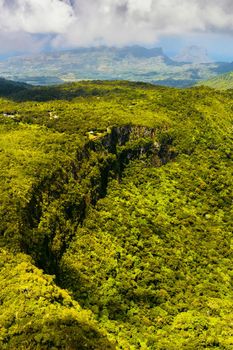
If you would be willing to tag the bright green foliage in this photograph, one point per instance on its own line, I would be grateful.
(124, 192)
(36, 314)
(158, 247)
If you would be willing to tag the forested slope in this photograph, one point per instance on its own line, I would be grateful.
(116, 217)
(221, 82)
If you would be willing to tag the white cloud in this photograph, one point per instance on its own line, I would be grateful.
(127, 21)
(114, 22)
(35, 16)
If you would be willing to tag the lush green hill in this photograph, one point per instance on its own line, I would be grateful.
(221, 82)
(8, 87)
(116, 217)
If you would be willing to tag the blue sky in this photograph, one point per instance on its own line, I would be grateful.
(30, 26)
(219, 46)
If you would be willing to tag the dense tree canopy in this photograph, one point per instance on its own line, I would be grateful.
(116, 217)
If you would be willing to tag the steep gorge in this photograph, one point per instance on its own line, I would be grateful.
(131, 224)
(60, 203)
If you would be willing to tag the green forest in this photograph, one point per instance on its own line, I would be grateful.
(116, 217)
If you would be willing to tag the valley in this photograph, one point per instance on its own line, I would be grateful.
(133, 63)
(116, 207)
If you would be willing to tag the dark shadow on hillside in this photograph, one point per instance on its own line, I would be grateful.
(10, 88)
(59, 333)
(20, 92)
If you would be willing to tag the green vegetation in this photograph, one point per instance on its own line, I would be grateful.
(7, 87)
(35, 314)
(221, 82)
(116, 217)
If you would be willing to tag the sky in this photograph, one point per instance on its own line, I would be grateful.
(29, 26)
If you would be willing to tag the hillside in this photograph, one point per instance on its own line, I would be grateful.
(133, 63)
(221, 82)
(116, 217)
(8, 87)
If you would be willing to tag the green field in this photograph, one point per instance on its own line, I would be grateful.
(116, 217)
(221, 82)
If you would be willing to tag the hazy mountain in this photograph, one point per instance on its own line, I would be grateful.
(193, 54)
(223, 67)
(133, 63)
(138, 52)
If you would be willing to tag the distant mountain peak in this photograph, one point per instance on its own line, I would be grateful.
(141, 52)
(193, 54)
(125, 51)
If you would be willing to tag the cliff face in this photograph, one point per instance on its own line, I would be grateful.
(59, 204)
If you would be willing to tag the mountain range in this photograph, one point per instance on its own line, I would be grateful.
(133, 63)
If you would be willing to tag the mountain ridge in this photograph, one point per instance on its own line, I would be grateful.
(133, 63)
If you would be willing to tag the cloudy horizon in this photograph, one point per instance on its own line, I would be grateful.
(33, 25)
